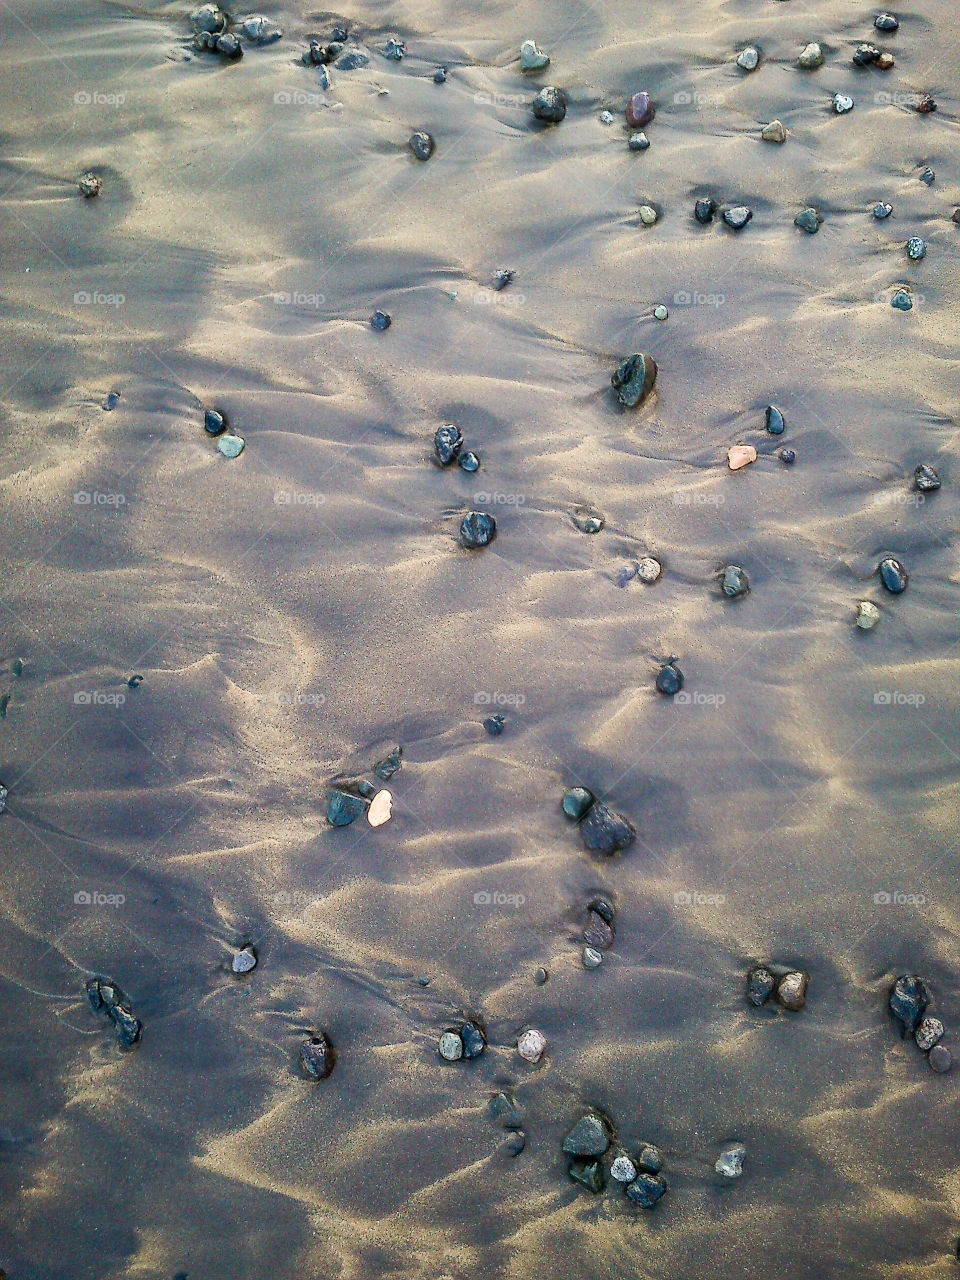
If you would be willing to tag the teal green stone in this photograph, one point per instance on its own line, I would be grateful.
(231, 446)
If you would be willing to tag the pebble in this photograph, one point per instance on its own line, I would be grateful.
(940, 1058)
(730, 1161)
(868, 615)
(740, 455)
(111, 401)
(588, 521)
(450, 1046)
(229, 45)
(366, 789)
(808, 220)
(389, 765)
(134, 682)
(244, 960)
(550, 105)
(589, 1175)
(576, 802)
(882, 210)
(908, 1000)
(737, 217)
(773, 132)
(494, 725)
(381, 320)
(317, 1057)
(704, 210)
(532, 58)
(531, 1046)
(394, 50)
(650, 1158)
(421, 144)
(316, 54)
(760, 985)
(928, 177)
(502, 277)
(209, 17)
(792, 990)
(648, 215)
(660, 312)
(603, 909)
(842, 103)
(885, 61)
(380, 809)
(592, 958)
(638, 142)
(926, 105)
(773, 420)
(352, 60)
(598, 932)
(231, 446)
(104, 995)
(440, 75)
(640, 110)
(343, 807)
(468, 461)
(260, 30)
(588, 1137)
(541, 976)
(955, 216)
(447, 443)
(928, 1033)
(89, 184)
(735, 581)
(646, 1189)
(516, 1142)
(604, 831)
(634, 379)
(811, 57)
(623, 1169)
(865, 55)
(926, 478)
(893, 575)
(606, 117)
(504, 1107)
(649, 570)
(214, 422)
(902, 300)
(474, 1041)
(477, 529)
(916, 248)
(4, 792)
(748, 58)
(669, 679)
(886, 22)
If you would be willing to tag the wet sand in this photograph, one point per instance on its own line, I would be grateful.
(299, 610)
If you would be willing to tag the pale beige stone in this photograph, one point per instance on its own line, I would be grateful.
(741, 455)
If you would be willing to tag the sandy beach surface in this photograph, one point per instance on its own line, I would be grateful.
(299, 610)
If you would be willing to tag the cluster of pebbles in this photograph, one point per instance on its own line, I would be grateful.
(448, 446)
(215, 32)
(105, 996)
(467, 1041)
(594, 1157)
(789, 985)
(602, 830)
(216, 424)
(598, 932)
(358, 797)
(908, 1002)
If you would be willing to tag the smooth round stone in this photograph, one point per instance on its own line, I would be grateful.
(589, 1174)
(605, 832)
(395, 49)
(532, 58)
(380, 320)
(209, 17)
(916, 248)
(737, 217)
(111, 400)
(244, 960)
(494, 725)
(260, 30)
(774, 420)
(893, 575)
(634, 379)
(447, 443)
(352, 60)
(550, 105)
(606, 117)
(317, 1057)
(660, 312)
(468, 461)
(640, 110)
(760, 985)
(541, 976)
(646, 1189)
(885, 61)
(787, 456)
(450, 1046)
(740, 455)
(868, 615)
(808, 220)
(231, 446)
(576, 802)
(623, 1169)
(648, 215)
(89, 184)
(588, 1137)
(928, 1033)
(842, 103)
(531, 1046)
(598, 931)
(516, 1142)
(229, 45)
(865, 55)
(474, 1041)
(792, 991)
(214, 423)
(669, 679)
(638, 142)
(477, 529)
(650, 1159)
(908, 1000)
(811, 57)
(704, 210)
(773, 132)
(886, 22)
(592, 958)
(588, 521)
(926, 478)
(748, 59)
(882, 210)
(940, 1058)
(902, 300)
(649, 570)
(735, 582)
(421, 144)
(730, 1161)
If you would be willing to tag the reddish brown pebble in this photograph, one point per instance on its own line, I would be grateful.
(598, 933)
(926, 105)
(640, 110)
(940, 1058)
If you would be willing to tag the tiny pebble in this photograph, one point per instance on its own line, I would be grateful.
(89, 184)
(808, 220)
(440, 75)
(231, 446)
(748, 58)
(660, 312)
(541, 976)
(730, 1161)
(787, 456)
(882, 210)
(648, 215)
(606, 117)
(901, 300)
(842, 103)
(111, 401)
(928, 176)
(940, 1058)
(916, 248)
(550, 105)
(450, 1046)
(244, 960)
(421, 144)
(649, 569)
(737, 217)
(926, 478)
(494, 725)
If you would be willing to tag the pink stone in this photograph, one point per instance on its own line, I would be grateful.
(740, 455)
(640, 110)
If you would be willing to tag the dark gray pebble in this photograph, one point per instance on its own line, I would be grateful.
(576, 802)
(735, 582)
(389, 765)
(421, 144)
(380, 320)
(468, 461)
(882, 210)
(394, 49)
(589, 1174)
(886, 22)
(317, 1057)
(494, 725)
(774, 420)
(440, 75)
(502, 277)
(940, 1058)
(447, 443)
(588, 1137)
(669, 679)
(604, 831)
(474, 1041)
(704, 210)
(908, 1000)
(646, 1189)
(893, 575)
(352, 60)
(634, 379)
(808, 220)
(598, 932)
(477, 529)
(550, 105)
(865, 55)
(760, 985)
(214, 422)
(926, 478)
(112, 400)
(788, 457)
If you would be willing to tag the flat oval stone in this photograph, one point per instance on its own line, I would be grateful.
(704, 210)
(231, 446)
(735, 582)
(532, 1045)
(244, 960)
(808, 220)
(908, 1000)
(450, 1046)
(598, 932)
(588, 1137)
(730, 1161)
(634, 379)
(541, 976)
(842, 103)
(381, 320)
(940, 1058)
(902, 300)
(868, 615)
(646, 1189)
(893, 575)
(740, 455)
(640, 110)
(477, 529)
(748, 59)
(638, 142)
(474, 1041)
(623, 1169)
(882, 210)
(468, 461)
(447, 443)
(213, 422)
(774, 420)
(649, 570)
(669, 679)
(926, 478)
(421, 144)
(604, 831)
(648, 215)
(811, 57)
(343, 808)
(737, 217)
(760, 985)
(916, 248)
(550, 105)
(532, 58)
(928, 1033)
(317, 1057)
(576, 802)
(380, 808)
(660, 312)
(592, 958)
(792, 990)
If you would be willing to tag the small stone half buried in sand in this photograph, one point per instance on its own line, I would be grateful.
(389, 765)
(649, 570)
(244, 960)
(792, 990)
(634, 379)
(531, 1045)
(740, 455)
(380, 808)
(730, 1161)
(317, 1057)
